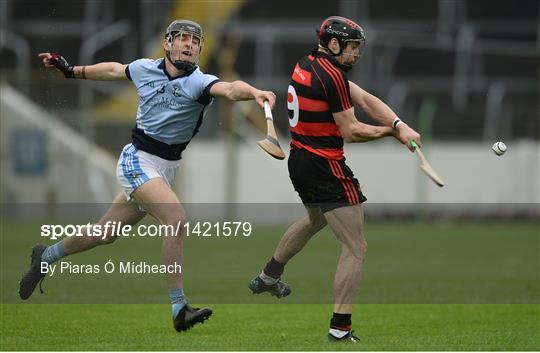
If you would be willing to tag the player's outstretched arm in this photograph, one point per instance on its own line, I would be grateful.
(108, 71)
(241, 91)
(382, 113)
(353, 130)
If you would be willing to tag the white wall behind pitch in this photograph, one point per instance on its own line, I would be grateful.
(387, 172)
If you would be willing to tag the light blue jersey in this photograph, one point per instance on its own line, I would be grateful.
(170, 109)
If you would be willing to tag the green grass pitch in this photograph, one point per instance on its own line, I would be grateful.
(265, 327)
(427, 286)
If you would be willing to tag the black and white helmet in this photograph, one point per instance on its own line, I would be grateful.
(343, 29)
(184, 27)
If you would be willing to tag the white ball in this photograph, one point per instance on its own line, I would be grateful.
(499, 148)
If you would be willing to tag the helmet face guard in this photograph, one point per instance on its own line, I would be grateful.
(352, 56)
(184, 53)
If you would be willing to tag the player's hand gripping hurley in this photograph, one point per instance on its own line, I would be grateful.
(426, 167)
(271, 144)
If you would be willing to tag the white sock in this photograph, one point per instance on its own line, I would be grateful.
(267, 279)
(337, 333)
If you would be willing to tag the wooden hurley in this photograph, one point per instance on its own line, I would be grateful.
(426, 167)
(271, 144)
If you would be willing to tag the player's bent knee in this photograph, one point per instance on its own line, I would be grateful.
(359, 251)
(363, 249)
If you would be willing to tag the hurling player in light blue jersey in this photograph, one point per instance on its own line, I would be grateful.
(174, 95)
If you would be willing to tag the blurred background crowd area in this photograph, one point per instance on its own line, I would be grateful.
(475, 64)
(464, 73)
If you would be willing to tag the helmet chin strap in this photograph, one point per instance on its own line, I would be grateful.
(179, 64)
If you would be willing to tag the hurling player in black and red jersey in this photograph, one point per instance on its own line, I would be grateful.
(321, 117)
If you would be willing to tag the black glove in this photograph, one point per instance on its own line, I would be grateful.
(61, 64)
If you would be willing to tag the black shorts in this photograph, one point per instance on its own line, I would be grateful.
(323, 183)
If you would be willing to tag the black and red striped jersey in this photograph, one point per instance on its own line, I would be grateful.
(318, 88)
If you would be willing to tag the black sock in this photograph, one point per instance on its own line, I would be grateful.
(274, 268)
(341, 322)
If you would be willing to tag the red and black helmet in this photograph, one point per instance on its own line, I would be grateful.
(343, 30)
